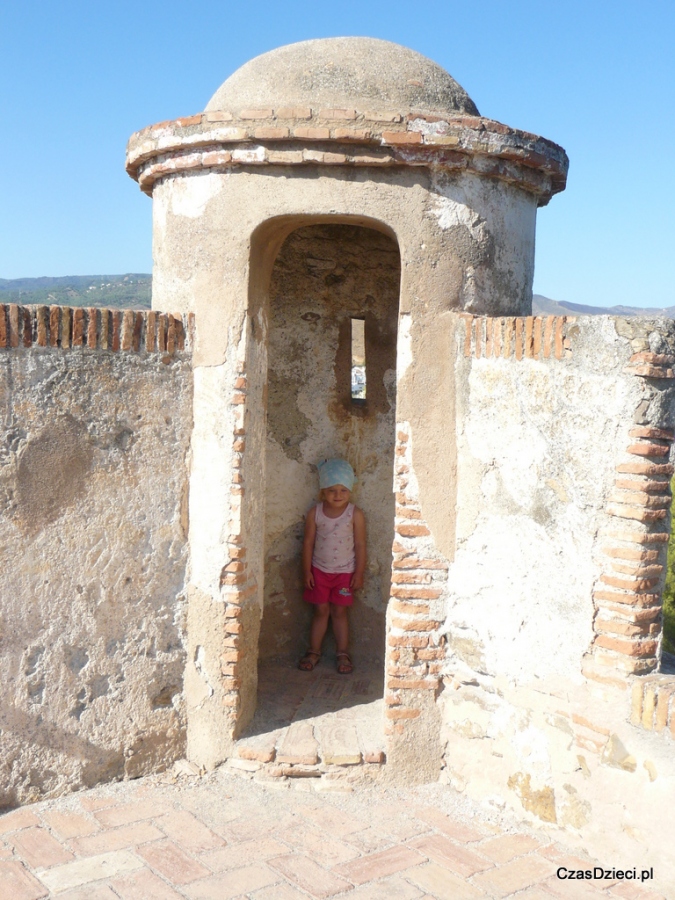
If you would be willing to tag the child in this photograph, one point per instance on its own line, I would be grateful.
(333, 561)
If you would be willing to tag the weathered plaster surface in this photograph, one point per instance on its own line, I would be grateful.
(93, 482)
(537, 446)
(492, 229)
(531, 489)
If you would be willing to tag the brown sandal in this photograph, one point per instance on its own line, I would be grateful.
(306, 664)
(344, 664)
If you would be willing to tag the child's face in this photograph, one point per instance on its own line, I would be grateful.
(337, 496)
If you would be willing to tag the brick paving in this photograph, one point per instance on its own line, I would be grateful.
(316, 719)
(228, 836)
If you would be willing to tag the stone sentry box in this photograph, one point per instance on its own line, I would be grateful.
(345, 133)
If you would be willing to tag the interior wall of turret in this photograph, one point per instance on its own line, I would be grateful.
(323, 277)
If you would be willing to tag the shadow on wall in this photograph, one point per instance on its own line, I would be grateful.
(324, 277)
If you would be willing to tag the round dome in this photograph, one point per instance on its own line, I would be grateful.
(337, 73)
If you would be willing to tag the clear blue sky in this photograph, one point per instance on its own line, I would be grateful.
(597, 76)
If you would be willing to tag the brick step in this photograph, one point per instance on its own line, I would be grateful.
(338, 745)
(321, 776)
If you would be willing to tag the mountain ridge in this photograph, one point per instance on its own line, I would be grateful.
(133, 290)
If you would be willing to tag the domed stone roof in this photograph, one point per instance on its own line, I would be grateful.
(348, 72)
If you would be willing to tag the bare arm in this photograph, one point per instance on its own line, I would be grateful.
(308, 548)
(359, 521)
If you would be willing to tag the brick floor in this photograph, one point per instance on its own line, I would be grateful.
(314, 844)
(226, 837)
(143, 885)
(18, 883)
(116, 839)
(238, 855)
(69, 824)
(444, 885)
(19, 818)
(90, 892)
(91, 869)
(310, 876)
(173, 863)
(393, 888)
(38, 848)
(455, 830)
(515, 875)
(192, 835)
(379, 865)
(280, 892)
(129, 812)
(457, 859)
(235, 883)
(508, 846)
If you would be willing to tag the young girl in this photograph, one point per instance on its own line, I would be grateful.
(333, 561)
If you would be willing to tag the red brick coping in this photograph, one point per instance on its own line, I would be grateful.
(529, 337)
(347, 137)
(69, 327)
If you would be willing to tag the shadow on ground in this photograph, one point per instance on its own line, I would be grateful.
(286, 695)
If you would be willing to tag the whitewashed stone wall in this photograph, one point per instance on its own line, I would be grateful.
(551, 608)
(95, 423)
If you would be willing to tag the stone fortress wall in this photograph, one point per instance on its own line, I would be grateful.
(526, 640)
(514, 639)
(96, 416)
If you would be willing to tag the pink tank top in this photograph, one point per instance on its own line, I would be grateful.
(334, 543)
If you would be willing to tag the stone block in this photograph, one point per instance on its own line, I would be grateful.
(18, 883)
(299, 746)
(309, 876)
(515, 876)
(311, 133)
(169, 860)
(94, 868)
(116, 839)
(38, 848)
(380, 865)
(397, 138)
(665, 693)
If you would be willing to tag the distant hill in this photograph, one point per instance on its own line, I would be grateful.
(130, 291)
(544, 306)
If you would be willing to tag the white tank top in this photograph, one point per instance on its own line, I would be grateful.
(334, 543)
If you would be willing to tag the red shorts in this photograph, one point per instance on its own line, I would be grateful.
(330, 587)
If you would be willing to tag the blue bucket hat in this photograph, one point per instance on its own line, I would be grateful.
(336, 471)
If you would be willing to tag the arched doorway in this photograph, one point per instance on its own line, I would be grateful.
(331, 328)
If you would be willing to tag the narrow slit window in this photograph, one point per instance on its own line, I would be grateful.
(358, 359)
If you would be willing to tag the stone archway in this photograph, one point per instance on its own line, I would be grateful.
(325, 277)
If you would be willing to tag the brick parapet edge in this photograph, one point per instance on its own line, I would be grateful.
(74, 328)
(294, 136)
(519, 337)
(415, 649)
(237, 582)
(653, 704)
(627, 597)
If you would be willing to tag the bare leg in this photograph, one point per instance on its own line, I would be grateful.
(319, 626)
(340, 620)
